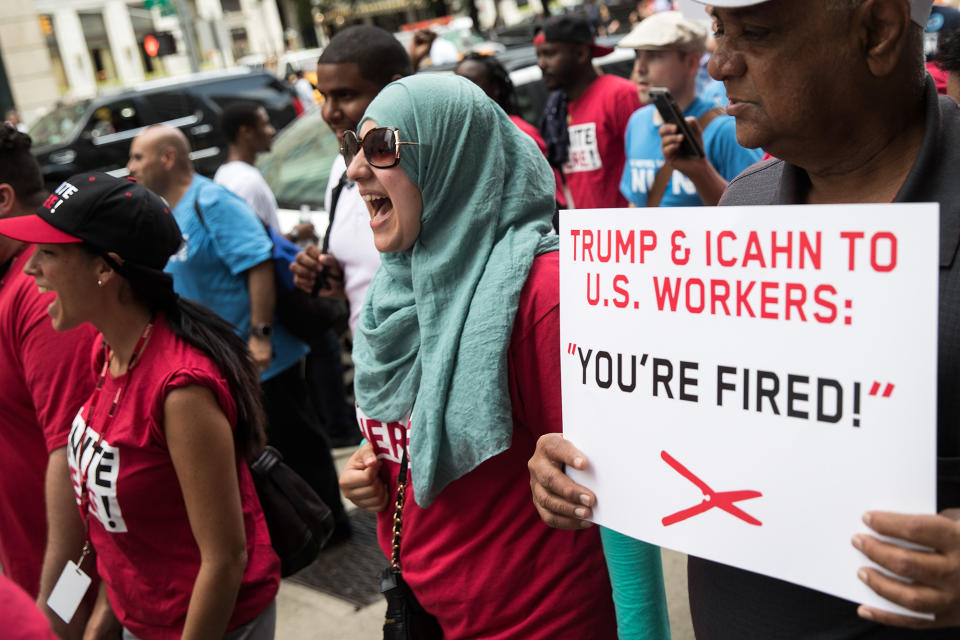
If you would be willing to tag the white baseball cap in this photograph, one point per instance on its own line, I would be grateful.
(919, 9)
(667, 29)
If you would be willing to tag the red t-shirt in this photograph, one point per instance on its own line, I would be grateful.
(479, 558)
(597, 122)
(146, 552)
(534, 133)
(45, 377)
(21, 618)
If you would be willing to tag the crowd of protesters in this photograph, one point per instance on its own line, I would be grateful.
(144, 362)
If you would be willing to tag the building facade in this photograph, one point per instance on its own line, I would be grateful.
(53, 49)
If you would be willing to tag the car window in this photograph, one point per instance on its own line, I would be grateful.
(59, 125)
(170, 105)
(264, 88)
(113, 117)
(298, 166)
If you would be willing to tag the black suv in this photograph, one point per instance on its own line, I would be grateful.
(95, 134)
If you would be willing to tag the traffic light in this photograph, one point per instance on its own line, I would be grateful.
(160, 44)
(46, 27)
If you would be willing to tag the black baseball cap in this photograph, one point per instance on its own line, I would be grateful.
(116, 215)
(570, 29)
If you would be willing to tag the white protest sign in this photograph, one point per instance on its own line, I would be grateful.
(746, 382)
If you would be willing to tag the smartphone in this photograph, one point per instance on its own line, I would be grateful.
(670, 112)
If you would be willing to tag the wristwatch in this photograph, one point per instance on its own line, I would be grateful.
(261, 330)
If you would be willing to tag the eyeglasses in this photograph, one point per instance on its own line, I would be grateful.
(381, 147)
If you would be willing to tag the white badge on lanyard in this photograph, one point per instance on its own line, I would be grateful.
(68, 593)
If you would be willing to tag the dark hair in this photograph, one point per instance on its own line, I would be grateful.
(242, 113)
(498, 76)
(948, 51)
(203, 329)
(376, 51)
(19, 168)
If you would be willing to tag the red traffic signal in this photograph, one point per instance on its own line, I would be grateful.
(161, 43)
(151, 45)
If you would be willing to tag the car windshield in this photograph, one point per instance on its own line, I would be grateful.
(59, 125)
(298, 166)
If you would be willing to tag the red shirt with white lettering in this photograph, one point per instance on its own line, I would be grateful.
(597, 122)
(479, 558)
(45, 377)
(146, 552)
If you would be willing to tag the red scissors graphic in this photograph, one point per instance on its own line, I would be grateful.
(723, 499)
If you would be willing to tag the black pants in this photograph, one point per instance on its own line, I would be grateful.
(325, 382)
(293, 428)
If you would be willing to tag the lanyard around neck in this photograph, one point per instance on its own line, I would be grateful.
(94, 399)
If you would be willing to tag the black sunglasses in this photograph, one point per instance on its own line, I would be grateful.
(381, 147)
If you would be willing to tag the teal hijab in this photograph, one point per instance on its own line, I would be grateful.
(435, 327)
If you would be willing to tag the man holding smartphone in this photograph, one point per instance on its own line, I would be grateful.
(662, 169)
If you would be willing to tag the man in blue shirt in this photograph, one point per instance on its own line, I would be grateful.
(669, 48)
(226, 264)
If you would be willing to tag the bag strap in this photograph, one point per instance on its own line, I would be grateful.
(196, 207)
(334, 198)
(398, 513)
(665, 172)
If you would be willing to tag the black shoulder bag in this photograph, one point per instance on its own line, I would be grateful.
(298, 520)
(405, 619)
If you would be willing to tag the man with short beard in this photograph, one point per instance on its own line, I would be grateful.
(836, 91)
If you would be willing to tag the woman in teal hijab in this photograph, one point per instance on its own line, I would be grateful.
(457, 363)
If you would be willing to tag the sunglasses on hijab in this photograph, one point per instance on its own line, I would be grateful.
(381, 147)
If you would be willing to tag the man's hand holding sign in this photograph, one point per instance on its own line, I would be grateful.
(752, 351)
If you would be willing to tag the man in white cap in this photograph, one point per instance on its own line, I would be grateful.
(657, 173)
(836, 90)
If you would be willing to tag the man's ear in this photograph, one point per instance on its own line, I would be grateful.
(168, 156)
(884, 26)
(583, 54)
(8, 201)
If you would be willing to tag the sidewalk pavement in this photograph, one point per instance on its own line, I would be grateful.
(306, 614)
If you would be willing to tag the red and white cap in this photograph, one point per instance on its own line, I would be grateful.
(110, 214)
(919, 9)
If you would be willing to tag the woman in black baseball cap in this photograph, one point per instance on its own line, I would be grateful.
(157, 452)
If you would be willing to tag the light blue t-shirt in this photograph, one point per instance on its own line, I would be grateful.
(715, 93)
(210, 266)
(644, 156)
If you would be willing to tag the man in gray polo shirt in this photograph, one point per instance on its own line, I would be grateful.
(837, 90)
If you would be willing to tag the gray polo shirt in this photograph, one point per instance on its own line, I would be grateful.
(732, 603)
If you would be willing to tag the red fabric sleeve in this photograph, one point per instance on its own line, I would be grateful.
(56, 368)
(534, 355)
